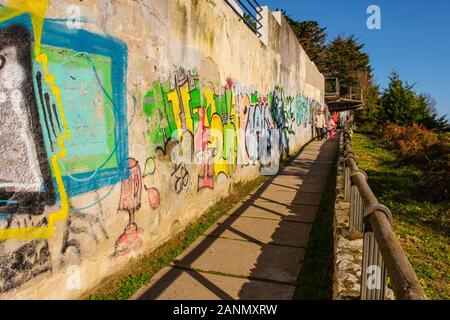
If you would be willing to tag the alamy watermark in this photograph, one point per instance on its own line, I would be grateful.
(374, 20)
(374, 277)
(74, 17)
(73, 280)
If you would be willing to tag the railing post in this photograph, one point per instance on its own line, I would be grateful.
(347, 184)
(382, 252)
(373, 286)
(356, 210)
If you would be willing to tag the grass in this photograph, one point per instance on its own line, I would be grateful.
(315, 281)
(422, 226)
(139, 271)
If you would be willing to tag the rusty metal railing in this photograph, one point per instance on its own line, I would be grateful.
(382, 253)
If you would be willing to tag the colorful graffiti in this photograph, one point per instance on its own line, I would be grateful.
(178, 108)
(130, 202)
(230, 127)
(63, 132)
(64, 141)
(66, 97)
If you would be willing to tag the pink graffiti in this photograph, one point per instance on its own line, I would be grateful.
(153, 197)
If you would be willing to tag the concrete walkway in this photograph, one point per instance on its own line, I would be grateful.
(256, 250)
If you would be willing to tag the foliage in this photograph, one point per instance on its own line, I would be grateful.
(399, 104)
(250, 20)
(343, 58)
(428, 151)
(347, 61)
(414, 142)
(421, 223)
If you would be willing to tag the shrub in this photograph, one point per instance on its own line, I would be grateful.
(428, 150)
(414, 142)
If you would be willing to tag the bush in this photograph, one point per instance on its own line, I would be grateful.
(414, 142)
(428, 150)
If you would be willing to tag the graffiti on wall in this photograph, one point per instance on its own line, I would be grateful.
(230, 128)
(63, 133)
(130, 202)
(65, 115)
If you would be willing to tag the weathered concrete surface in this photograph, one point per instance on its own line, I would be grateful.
(207, 286)
(243, 259)
(268, 210)
(94, 148)
(286, 233)
(259, 245)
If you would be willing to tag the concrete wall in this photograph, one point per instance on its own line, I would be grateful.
(124, 120)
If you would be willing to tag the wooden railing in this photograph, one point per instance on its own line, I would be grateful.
(382, 253)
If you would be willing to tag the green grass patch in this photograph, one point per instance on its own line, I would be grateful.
(315, 281)
(421, 225)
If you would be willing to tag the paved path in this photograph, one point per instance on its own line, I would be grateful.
(256, 250)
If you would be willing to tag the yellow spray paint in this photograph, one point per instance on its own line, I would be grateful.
(174, 101)
(210, 104)
(37, 9)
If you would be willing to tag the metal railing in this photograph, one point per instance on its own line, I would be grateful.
(351, 93)
(382, 253)
(249, 11)
(334, 88)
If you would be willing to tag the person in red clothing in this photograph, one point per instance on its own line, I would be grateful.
(331, 126)
(335, 117)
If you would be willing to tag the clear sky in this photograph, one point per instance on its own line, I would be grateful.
(414, 38)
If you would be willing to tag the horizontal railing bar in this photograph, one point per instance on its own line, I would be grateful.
(243, 19)
(251, 4)
(404, 280)
(257, 4)
(249, 12)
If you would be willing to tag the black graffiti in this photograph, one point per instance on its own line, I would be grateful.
(78, 226)
(23, 264)
(3, 61)
(16, 200)
(49, 111)
(182, 177)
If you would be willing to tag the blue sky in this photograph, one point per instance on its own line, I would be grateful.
(414, 38)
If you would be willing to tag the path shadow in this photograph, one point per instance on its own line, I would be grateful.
(321, 167)
(251, 290)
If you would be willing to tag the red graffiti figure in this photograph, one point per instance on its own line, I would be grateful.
(206, 175)
(130, 201)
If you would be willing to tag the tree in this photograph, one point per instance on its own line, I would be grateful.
(368, 118)
(401, 105)
(432, 119)
(347, 61)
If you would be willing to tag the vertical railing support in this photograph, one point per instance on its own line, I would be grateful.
(356, 210)
(373, 286)
(347, 184)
